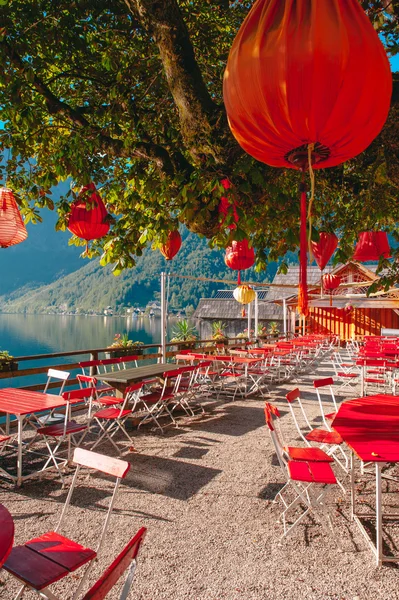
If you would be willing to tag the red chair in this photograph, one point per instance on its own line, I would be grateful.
(97, 398)
(90, 368)
(66, 431)
(126, 559)
(112, 419)
(323, 384)
(42, 561)
(302, 474)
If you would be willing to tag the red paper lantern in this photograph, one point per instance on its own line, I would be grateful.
(301, 83)
(172, 246)
(330, 282)
(239, 256)
(324, 248)
(12, 228)
(371, 246)
(88, 222)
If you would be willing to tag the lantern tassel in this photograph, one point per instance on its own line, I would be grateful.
(239, 278)
(312, 186)
(243, 314)
(303, 287)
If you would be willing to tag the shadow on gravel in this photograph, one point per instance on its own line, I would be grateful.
(173, 478)
(270, 490)
(235, 420)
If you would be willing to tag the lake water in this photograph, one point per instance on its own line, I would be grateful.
(25, 335)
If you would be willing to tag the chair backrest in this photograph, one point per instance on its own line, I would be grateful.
(326, 385)
(127, 558)
(86, 380)
(105, 464)
(105, 363)
(73, 396)
(58, 375)
(271, 416)
(294, 397)
(128, 359)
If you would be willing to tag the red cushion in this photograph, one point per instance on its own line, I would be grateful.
(61, 550)
(312, 472)
(33, 569)
(112, 413)
(57, 429)
(312, 454)
(322, 436)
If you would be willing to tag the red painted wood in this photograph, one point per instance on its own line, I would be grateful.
(370, 426)
(322, 382)
(100, 462)
(109, 578)
(6, 533)
(308, 454)
(313, 472)
(58, 430)
(22, 402)
(322, 436)
(79, 395)
(33, 569)
(61, 550)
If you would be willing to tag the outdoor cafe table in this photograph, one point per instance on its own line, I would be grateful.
(6, 534)
(22, 404)
(370, 427)
(120, 380)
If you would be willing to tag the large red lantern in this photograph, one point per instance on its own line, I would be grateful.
(172, 246)
(12, 228)
(88, 218)
(372, 245)
(239, 256)
(300, 88)
(324, 248)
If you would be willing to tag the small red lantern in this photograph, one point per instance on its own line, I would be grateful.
(12, 228)
(371, 246)
(239, 256)
(324, 248)
(330, 282)
(172, 246)
(88, 223)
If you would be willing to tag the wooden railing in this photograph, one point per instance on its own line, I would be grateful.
(149, 352)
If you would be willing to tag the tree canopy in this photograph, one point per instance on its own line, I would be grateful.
(128, 94)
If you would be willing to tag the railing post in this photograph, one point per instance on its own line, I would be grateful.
(93, 370)
(256, 316)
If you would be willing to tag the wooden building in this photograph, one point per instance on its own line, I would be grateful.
(348, 311)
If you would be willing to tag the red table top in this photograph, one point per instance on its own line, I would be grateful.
(6, 534)
(370, 427)
(15, 401)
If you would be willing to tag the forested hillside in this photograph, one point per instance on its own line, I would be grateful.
(93, 288)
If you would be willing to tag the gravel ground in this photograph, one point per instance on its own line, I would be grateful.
(205, 492)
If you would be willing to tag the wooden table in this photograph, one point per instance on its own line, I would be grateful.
(370, 427)
(22, 403)
(6, 534)
(120, 380)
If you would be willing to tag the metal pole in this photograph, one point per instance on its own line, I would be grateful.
(249, 320)
(163, 316)
(285, 317)
(256, 315)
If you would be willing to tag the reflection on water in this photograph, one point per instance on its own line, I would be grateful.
(24, 335)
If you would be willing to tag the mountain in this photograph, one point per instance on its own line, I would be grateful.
(93, 288)
(42, 258)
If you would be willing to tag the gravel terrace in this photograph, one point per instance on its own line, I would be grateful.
(205, 492)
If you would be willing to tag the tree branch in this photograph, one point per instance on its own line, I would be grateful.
(164, 22)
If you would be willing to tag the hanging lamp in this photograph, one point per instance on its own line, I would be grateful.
(88, 218)
(239, 256)
(300, 89)
(244, 294)
(172, 245)
(12, 228)
(330, 283)
(372, 245)
(324, 248)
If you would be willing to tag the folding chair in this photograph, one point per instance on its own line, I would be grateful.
(65, 432)
(90, 368)
(127, 559)
(42, 561)
(331, 441)
(302, 478)
(52, 417)
(347, 374)
(112, 419)
(87, 381)
(60, 376)
(328, 383)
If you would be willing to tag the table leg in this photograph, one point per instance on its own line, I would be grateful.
(352, 486)
(378, 502)
(362, 375)
(19, 455)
